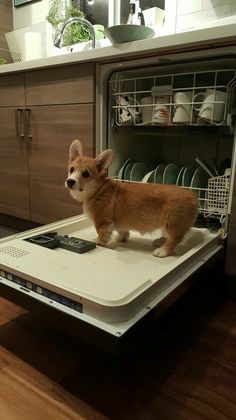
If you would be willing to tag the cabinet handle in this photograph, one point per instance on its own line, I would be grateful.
(27, 123)
(20, 123)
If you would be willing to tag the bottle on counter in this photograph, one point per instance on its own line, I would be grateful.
(135, 15)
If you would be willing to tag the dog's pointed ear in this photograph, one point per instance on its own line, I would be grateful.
(103, 160)
(76, 150)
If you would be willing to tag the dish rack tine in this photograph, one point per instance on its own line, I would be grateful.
(16, 56)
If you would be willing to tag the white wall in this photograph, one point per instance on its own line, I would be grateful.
(192, 14)
(30, 14)
(30, 18)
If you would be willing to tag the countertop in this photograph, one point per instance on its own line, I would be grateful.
(204, 38)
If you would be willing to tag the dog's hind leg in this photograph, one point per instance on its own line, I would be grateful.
(122, 236)
(172, 238)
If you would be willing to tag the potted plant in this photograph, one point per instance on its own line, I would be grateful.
(59, 12)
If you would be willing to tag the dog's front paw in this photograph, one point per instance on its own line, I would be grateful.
(100, 242)
(160, 252)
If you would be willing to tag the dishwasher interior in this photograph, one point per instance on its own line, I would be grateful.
(174, 124)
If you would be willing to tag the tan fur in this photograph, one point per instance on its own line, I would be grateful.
(123, 206)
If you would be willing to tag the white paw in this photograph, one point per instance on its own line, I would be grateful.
(101, 243)
(159, 252)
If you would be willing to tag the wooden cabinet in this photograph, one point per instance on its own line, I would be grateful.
(53, 128)
(61, 85)
(12, 90)
(41, 113)
(14, 176)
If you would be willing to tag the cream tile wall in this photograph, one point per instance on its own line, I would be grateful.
(192, 14)
(29, 14)
(30, 18)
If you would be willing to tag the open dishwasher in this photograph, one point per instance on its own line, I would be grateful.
(167, 120)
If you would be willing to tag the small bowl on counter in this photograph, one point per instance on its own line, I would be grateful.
(119, 34)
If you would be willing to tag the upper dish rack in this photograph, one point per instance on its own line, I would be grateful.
(196, 98)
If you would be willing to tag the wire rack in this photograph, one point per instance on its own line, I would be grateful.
(16, 56)
(217, 195)
(196, 98)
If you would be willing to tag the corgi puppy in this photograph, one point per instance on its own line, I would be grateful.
(125, 206)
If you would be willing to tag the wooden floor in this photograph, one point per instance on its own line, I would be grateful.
(7, 231)
(182, 367)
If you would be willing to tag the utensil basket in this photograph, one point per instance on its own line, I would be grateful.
(217, 195)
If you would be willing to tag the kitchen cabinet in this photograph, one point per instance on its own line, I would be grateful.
(14, 177)
(41, 113)
(52, 129)
(61, 85)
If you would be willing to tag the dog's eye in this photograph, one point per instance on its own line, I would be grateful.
(72, 169)
(85, 174)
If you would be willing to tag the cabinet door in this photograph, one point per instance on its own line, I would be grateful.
(53, 128)
(12, 90)
(71, 84)
(14, 182)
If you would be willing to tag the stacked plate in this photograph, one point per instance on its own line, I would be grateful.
(187, 176)
(132, 170)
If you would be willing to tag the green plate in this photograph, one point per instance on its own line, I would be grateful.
(170, 174)
(187, 176)
(121, 172)
(127, 171)
(158, 175)
(127, 33)
(139, 169)
(180, 177)
(199, 184)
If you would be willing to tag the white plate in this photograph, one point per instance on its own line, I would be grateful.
(138, 171)
(170, 174)
(149, 177)
(120, 173)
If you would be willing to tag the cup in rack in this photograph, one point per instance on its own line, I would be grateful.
(211, 106)
(182, 107)
(129, 110)
(161, 112)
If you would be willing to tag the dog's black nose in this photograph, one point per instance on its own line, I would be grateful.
(70, 182)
